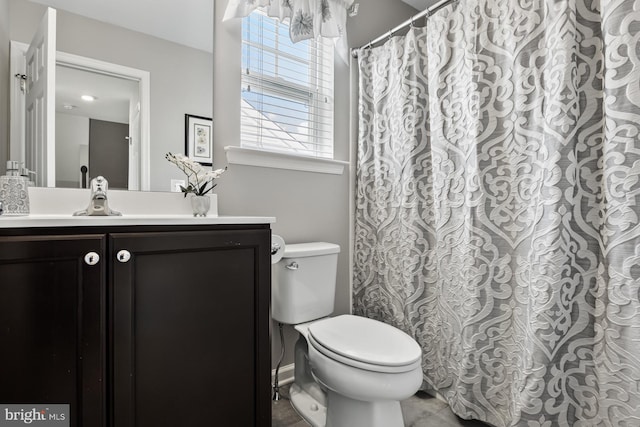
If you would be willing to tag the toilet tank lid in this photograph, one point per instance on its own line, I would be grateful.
(300, 250)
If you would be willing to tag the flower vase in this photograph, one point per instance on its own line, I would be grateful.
(200, 205)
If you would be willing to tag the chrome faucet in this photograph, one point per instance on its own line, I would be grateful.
(98, 204)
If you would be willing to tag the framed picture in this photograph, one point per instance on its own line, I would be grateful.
(198, 133)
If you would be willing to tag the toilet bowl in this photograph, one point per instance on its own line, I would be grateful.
(367, 367)
(350, 371)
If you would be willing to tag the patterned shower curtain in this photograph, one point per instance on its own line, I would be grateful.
(498, 203)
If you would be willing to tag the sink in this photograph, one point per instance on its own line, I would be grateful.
(53, 207)
(66, 201)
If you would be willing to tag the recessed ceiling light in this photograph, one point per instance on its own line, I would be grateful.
(88, 98)
(68, 106)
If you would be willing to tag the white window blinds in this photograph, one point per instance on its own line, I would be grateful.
(287, 90)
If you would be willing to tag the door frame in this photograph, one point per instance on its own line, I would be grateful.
(18, 50)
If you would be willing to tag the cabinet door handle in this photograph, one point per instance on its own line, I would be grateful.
(123, 255)
(92, 258)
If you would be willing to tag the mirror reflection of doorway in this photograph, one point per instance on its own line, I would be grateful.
(96, 134)
(117, 88)
(109, 152)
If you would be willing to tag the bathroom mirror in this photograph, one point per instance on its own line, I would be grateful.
(171, 41)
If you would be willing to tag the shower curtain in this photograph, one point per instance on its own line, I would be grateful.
(497, 204)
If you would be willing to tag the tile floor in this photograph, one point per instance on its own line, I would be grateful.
(421, 410)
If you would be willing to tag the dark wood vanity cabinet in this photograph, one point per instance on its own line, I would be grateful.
(190, 328)
(52, 323)
(170, 328)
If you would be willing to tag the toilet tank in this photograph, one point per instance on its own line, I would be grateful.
(303, 282)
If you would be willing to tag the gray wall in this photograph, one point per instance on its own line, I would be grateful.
(180, 76)
(4, 84)
(72, 149)
(308, 206)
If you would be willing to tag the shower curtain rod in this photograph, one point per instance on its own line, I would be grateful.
(427, 12)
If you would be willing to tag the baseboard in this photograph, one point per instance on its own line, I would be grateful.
(285, 375)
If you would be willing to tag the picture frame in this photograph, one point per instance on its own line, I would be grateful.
(198, 133)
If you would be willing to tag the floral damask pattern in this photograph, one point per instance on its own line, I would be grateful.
(498, 204)
(301, 24)
(308, 18)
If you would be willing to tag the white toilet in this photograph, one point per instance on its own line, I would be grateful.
(350, 371)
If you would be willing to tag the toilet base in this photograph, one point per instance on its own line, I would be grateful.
(319, 406)
(346, 412)
(307, 407)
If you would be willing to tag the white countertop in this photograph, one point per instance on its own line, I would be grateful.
(88, 221)
(54, 207)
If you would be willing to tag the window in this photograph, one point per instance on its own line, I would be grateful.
(287, 90)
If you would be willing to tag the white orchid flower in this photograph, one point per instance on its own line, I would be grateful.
(213, 174)
(200, 180)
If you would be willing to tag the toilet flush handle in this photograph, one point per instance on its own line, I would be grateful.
(293, 266)
(275, 247)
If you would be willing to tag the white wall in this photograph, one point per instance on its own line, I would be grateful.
(72, 132)
(180, 76)
(308, 206)
(4, 84)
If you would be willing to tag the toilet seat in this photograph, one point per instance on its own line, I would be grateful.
(365, 344)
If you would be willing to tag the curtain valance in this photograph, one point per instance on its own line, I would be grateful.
(308, 18)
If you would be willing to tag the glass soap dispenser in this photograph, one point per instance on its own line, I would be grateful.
(14, 191)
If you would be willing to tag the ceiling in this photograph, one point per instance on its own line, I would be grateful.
(188, 22)
(113, 94)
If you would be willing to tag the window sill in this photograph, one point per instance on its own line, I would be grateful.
(267, 159)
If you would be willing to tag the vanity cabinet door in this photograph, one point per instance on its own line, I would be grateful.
(191, 328)
(52, 336)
